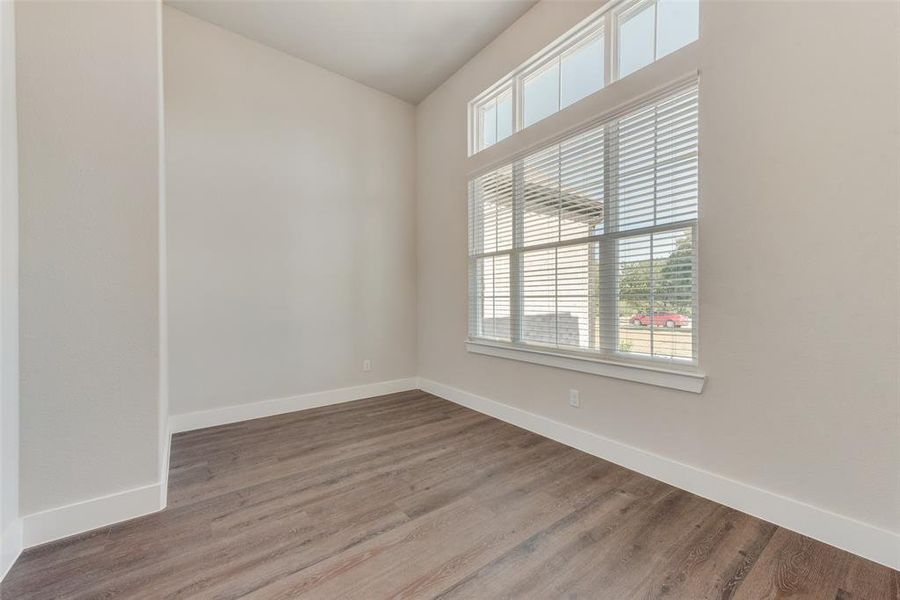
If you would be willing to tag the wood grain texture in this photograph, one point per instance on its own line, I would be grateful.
(411, 496)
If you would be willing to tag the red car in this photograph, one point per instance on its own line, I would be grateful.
(660, 319)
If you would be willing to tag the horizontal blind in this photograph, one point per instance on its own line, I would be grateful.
(589, 245)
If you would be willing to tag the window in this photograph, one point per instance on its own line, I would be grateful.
(494, 118)
(583, 71)
(588, 246)
(648, 30)
(580, 63)
(637, 46)
(541, 93)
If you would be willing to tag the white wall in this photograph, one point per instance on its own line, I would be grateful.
(88, 127)
(10, 532)
(298, 247)
(290, 223)
(800, 143)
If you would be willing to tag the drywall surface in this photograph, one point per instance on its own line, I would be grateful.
(290, 229)
(88, 183)
(389, 46)
(9, 287)
(800, 144)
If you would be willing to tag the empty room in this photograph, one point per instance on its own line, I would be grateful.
(483, 299)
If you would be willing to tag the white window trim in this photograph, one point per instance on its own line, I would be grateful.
(593, 25)
(672, 373)
(651, 81)
(616, 96)
(687, 380)
(603, 22)
(604, 105)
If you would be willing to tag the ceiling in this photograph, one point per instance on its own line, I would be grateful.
(406, 48)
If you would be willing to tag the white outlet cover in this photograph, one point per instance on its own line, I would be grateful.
(574, 398)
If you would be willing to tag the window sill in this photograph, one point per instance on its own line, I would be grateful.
(673, 378)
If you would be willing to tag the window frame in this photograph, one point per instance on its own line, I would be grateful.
(686, 380)
(591, 26)
(578, 43)
(603, 22)
(622, 12)
(531, 73)
(478, 108)
(679, 68)
(671, 372)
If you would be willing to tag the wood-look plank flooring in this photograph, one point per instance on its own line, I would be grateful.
(411, 496)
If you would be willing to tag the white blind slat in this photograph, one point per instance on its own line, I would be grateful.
(590, 244)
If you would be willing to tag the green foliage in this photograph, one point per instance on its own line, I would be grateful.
(671, 278)
(634, 287)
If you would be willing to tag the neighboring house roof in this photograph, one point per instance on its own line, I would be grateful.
(546, 199)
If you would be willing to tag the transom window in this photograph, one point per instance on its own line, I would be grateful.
(589, 245)
(614, 42)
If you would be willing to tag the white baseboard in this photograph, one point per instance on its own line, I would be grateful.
(854, 536)
(278, 406)
(860, 538)
(10, 546)
(57, 523)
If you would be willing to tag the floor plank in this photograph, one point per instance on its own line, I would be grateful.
(411, 496)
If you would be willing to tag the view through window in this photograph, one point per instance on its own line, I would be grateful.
(589, 245)
(611, 44)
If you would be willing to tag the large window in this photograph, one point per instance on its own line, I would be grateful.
(619, 39)
(589, 246)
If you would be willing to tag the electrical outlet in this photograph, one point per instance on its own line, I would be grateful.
(574, 399)
(367, 365)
